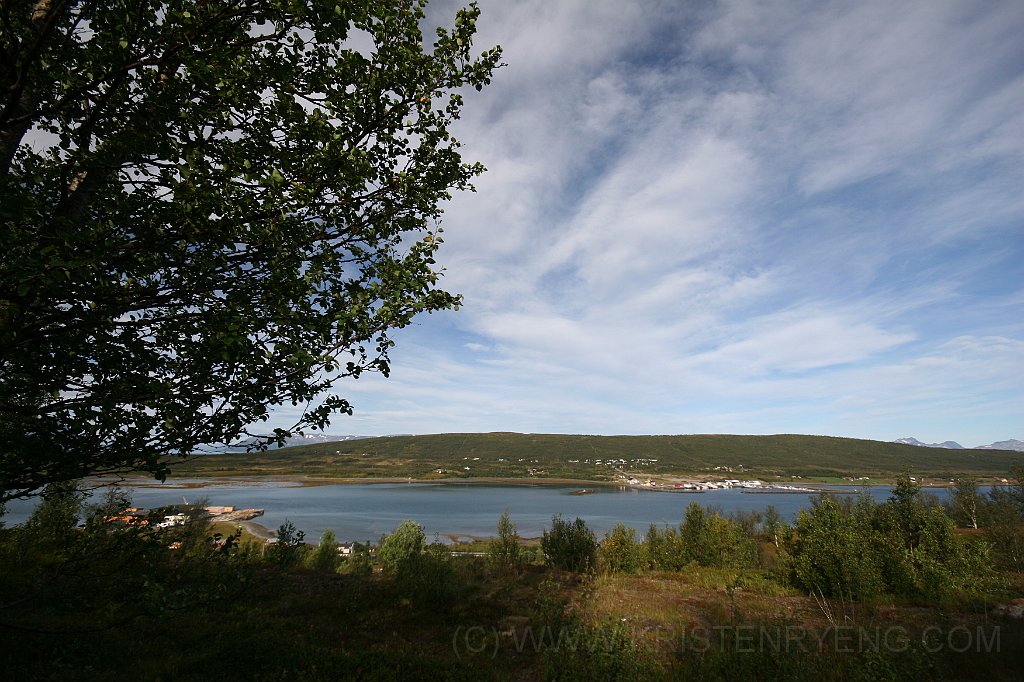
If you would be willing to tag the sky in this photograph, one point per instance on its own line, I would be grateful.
(740, 216)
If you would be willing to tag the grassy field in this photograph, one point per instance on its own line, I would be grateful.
(541, 625)
(515, 455)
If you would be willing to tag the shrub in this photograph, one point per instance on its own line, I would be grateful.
(620, 552)
(663, 549)
(832, 554)
(902, 547)
(325, 556)
(504, 552)
(290, 546)
(570, 546)
(715, 541)
(400, 551)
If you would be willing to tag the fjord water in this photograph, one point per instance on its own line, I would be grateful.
(365, 511)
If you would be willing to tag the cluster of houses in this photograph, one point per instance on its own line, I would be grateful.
(701, 486)
(695, 486)
(641, 462)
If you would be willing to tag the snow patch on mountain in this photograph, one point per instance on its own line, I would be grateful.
(1012, 444)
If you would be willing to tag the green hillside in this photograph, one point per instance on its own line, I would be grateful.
(516, 455)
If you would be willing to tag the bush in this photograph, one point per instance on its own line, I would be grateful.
(902, 547)
(833, 555)
(714, 541)
(422, 572)
(620, 552)
(290, 547)
(663, 549)
(400, 551)
(505, 553)
(325, 556)
(569, 546)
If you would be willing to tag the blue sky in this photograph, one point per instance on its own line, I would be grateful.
(731, 217)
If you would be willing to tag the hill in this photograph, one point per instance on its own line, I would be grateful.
(518, 455)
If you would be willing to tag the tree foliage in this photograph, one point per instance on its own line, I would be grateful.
(902, 547)
(400, 550)
(569, 546)
(705, 538)
(1002, 520)
(422, 572)
(619, 550)
(504, 553)
(290, 548)
(325, 557)
(209, 209)
(82, 568)
(966, 502)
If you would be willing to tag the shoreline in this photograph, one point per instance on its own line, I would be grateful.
(306, 481)
(303, 481)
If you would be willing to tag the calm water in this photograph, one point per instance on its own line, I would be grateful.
(366, 511)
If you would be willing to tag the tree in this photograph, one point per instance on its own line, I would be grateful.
(400, 551)
(908, 508)
(358, 561)
(290, 545)
(715, 541)
(325, 557)
(865, 550)
(209, 209)
(58, 514)
(966, 502)
(772, 524)
(834, 554)
(664, 549)
(569, 546)
(619, 550)
(422, 572)
(504, 552)
(1002, 520)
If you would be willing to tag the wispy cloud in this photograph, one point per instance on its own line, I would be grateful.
(746, 217)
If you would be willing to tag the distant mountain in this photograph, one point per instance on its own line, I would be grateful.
(299, 439)
(1012, 444)
(949, 444)
(520, 455)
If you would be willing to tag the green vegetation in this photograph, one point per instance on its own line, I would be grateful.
(619, 551)
(210, 209)
(504, 552)
(512, 455)
(569, 546)
(716, 597)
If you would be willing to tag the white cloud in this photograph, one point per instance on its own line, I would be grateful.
(746, 217)
(802, 340)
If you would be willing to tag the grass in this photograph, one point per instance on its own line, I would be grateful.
(299, 624)
(548, 456)
(703, 630)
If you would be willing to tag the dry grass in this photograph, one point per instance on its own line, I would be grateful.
(704, 598)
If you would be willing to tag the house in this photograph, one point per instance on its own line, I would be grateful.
(172, 520)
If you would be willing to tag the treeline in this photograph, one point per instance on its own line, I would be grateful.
(850, 547)
(855, 548)
(80, 571)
